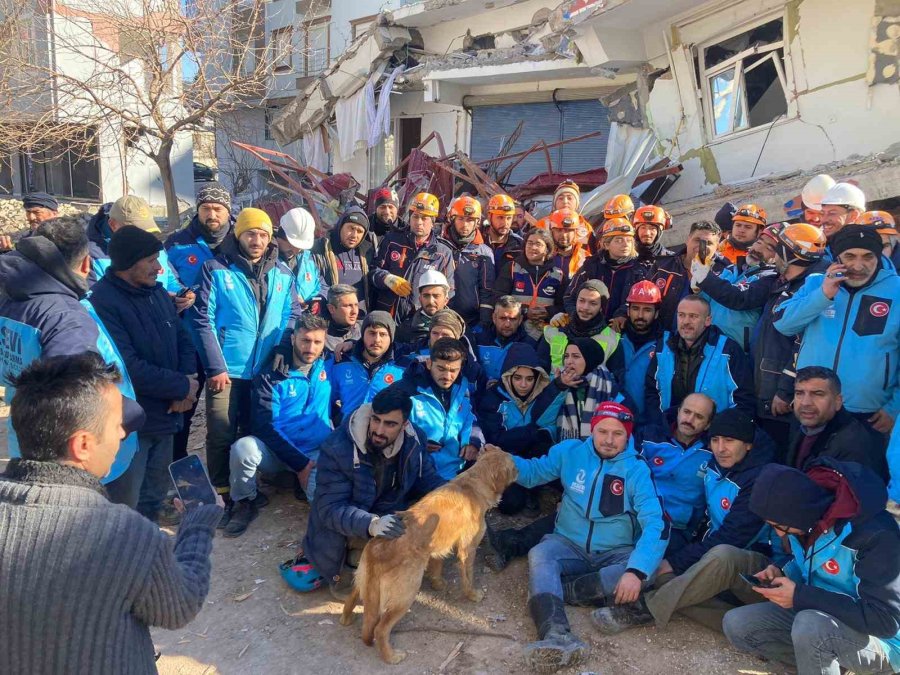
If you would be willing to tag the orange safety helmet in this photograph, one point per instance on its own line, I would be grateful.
(563, 219)
(466, 207)
(652, 214)
(882, 220)
(613, 227)
(619, 206)
(644, 292)
(751, 213)
(801, 241)
(425, 204)
(501, 205)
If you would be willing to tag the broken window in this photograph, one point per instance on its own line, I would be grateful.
(744, 79)
(281, 49)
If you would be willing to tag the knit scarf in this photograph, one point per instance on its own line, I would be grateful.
(460, 241)
(579, 328)
(577, 411)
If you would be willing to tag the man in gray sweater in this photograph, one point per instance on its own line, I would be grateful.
(82, 579)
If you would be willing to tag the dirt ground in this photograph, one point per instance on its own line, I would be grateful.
(254, 623)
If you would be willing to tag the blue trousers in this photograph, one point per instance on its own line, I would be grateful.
(249, 455)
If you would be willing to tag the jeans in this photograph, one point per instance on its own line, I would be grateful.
(146, 481)
(227, 413)
(814, 641)
(556, 558)
(249, 455)
(180, 445)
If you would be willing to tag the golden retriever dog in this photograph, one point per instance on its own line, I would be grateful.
(450, 518)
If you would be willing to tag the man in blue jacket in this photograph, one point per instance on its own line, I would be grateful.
(849, 324)
(245, 305)
(736, 540)
(610, 523)
(698, 358)
(376, 463)
(295, 237)
(368, 368)
(442, 406)
(158, 353)
(494, 341)
(836, 605)
(289, 422)
(43, 313)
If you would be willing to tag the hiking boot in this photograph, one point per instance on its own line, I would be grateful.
(229, 505)
(497, 557)
(243, 513)
(260, 500)
(532, 508)
(584, 591)
(556, 647)
(340, 589)
(617, 618)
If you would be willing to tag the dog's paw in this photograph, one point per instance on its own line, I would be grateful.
(395, 657)
(475, 595)
(438, 584)
(347, 619)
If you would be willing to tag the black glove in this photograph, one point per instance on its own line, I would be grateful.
(389, 527)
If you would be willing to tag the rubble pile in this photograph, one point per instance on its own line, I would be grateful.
(12, 215)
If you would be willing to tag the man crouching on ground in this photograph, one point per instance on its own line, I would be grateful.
(607, 493)
(369, 467)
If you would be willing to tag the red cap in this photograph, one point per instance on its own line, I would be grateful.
(617, 411)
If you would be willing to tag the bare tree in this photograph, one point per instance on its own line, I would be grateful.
(149, 71)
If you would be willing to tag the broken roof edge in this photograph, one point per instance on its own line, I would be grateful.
(291, 123)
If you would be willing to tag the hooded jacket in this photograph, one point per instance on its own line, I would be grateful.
(333, 261)
(857, 335)
(730, 521)
(291, 413)
(492, 349)
(533, 286)
(354, 383)
(678, 472)
(99, 234)
(615, 275)
(606, 503)
(844, 439)
(347, 497)
(157, 349)
(506, 252)
(189, 248)
(474, 270)
(452, 428)
(399, 255)
(849, 570)
(43, 314)
(242, 311)
(724, 373)
(514, 424)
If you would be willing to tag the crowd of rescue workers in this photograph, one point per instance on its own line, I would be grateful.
(702, 429)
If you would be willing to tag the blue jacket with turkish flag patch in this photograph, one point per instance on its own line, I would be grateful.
(353, 383)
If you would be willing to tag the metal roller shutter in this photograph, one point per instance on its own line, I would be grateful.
(492, 125)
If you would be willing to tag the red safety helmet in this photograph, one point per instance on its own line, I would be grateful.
(644, 292)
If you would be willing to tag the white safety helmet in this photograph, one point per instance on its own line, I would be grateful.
(432, 278)
(299, 228)
(815, 189)
(847, 195)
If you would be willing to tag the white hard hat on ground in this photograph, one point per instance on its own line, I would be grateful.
(845, 194)
(299, 228)
(432, 278)
(815, 189)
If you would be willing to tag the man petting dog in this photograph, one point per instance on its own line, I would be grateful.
(371, 466)
(607, 493)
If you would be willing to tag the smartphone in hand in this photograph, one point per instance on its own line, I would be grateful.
(704, 251)
(754, 581)
(192, 482)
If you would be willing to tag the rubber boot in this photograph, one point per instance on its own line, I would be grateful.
(584, 591)
(555, 647)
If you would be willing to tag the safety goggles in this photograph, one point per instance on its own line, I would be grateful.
(506, 208)
(617, 231)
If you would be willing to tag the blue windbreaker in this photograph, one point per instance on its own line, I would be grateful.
(725, 374)
(857, 335)
(352, 384)
(678, 473)
(187, 251)
(41, 316)
(291, 413)
(739, 324)
(306, 277)
(893, 460)
(232, 337)
(492, 349)
(629, 364)
(452, 429)
(607, 503)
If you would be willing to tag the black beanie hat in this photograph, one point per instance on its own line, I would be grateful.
(380, 318)
(354, 215)
(786, 496)
(725, 215)
(130, 244)
(856, 236)
(733, 423)
(591, 351)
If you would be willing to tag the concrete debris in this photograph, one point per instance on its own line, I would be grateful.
(12, 216)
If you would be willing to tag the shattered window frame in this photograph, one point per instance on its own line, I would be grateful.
(727, 113)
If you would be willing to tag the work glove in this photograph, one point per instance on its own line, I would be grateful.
(398, 285)
(389, 527)
(699, 272)
(560, 320)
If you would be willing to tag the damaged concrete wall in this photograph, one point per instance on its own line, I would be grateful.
(832, 113)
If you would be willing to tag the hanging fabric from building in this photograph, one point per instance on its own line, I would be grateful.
(314, 152)
(352, 124)
(381, 124)
(627, 149)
